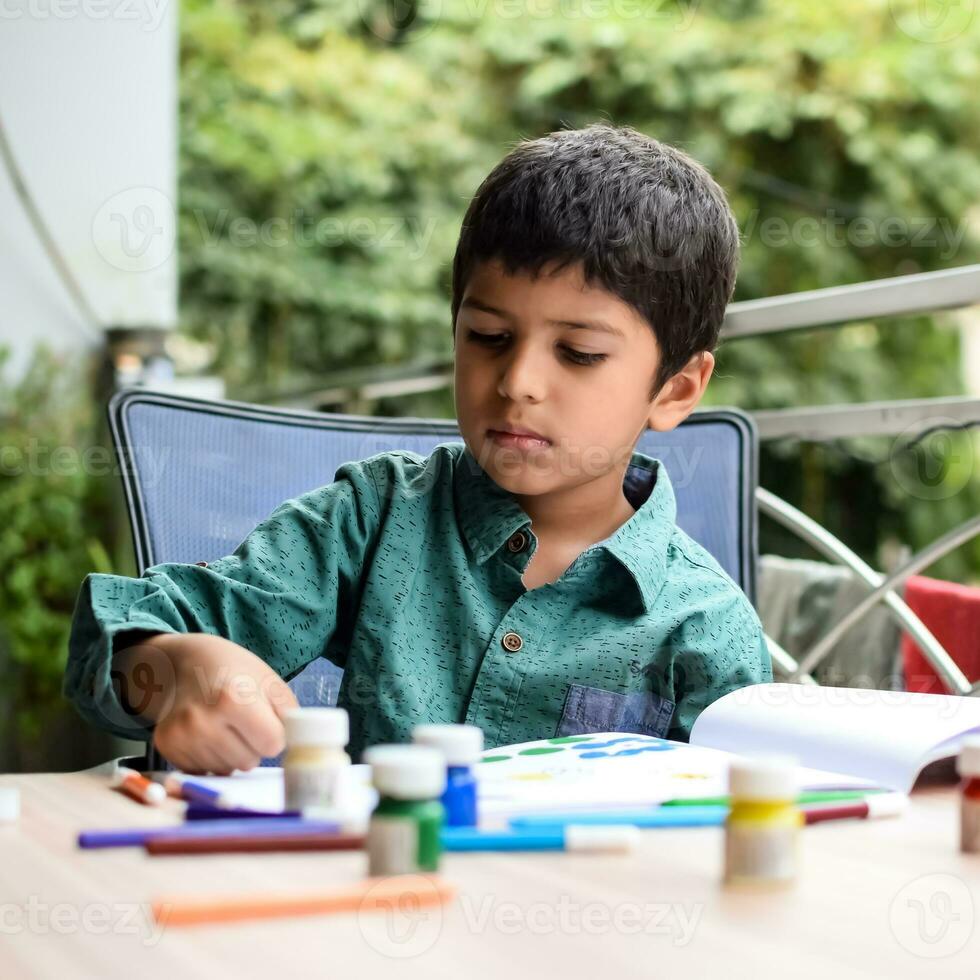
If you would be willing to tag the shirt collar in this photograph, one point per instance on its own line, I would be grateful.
(488, 515)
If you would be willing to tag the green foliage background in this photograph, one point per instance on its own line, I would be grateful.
(330, 147)
(56, 499)
(849, 114)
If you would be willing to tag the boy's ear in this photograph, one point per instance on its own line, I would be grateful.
(680, 395)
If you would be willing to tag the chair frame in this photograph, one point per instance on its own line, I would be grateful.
(142, 544)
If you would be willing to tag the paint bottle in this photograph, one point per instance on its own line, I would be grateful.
(460, 746)
(403, 834)
(968, 766)
(763, 825)
(315, 742)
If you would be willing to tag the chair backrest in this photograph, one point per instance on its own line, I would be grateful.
(199, 475)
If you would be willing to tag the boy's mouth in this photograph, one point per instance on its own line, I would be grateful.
(518, 437)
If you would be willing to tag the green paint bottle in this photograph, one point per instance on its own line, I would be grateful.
(403, 835)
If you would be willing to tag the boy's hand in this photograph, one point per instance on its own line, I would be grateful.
(217, 707)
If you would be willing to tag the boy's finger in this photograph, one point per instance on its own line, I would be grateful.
(246, 757)
(261, 730)
(280, 696)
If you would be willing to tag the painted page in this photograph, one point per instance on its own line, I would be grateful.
(885, 736)
(262, 788)
(610, 770)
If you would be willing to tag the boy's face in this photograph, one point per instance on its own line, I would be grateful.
(560, 358)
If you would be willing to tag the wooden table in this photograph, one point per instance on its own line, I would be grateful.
(889, 898)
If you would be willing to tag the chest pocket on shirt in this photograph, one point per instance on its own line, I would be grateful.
(591, 709)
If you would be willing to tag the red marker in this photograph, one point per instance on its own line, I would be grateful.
(130, 782)
(878, 805)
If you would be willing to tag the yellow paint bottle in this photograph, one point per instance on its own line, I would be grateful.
(763, 826)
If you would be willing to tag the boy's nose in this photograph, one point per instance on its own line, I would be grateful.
(522, 377)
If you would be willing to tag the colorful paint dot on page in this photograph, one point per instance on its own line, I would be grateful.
(494, 758)
(543, 750)
(644, 748)
(567, 739)
(613, 741)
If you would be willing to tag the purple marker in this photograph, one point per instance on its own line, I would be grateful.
(200, 811)
(137, 836)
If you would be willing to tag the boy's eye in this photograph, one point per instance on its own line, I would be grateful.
(573, 355)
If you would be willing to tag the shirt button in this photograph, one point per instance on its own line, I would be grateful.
(517, 542)
(512, 642)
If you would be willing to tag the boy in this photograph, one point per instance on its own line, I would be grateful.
(530, 580)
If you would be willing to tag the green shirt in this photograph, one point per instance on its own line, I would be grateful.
(406, 572)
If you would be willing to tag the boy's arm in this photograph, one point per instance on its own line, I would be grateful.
(718, 650)
(287, 594)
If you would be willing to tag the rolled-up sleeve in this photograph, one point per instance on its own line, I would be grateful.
(288, 593)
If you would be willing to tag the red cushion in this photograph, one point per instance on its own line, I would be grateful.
(952, 613)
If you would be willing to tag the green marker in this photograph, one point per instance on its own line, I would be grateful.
(814, 796)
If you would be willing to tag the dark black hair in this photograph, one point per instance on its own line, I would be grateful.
(648, 223)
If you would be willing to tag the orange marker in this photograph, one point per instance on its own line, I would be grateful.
(370, 895)
(138, 787)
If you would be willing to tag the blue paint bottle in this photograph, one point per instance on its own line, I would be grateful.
(461, 746)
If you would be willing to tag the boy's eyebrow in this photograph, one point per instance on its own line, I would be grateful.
(600, 325)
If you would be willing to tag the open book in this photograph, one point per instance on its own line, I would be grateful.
(885, 736)
(842, 738)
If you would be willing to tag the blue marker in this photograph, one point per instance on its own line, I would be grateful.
(461, 746)
(570, 838)
(672, 816)
(194, 792)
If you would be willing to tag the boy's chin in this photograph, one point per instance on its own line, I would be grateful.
(523, 479)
